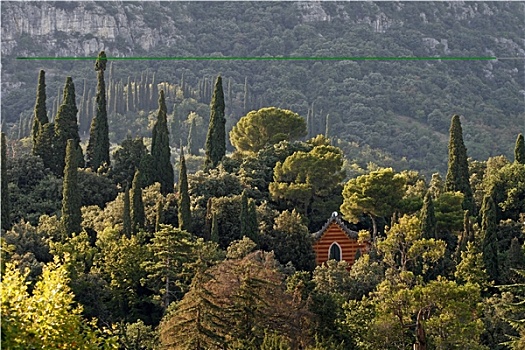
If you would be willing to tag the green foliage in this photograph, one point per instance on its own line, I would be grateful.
(376, 194)
(40, 118)
(95, 189)
(240, 248)
(5, 207)
(292, 242)
(160, 149)
(471, 269)
(428, 217)
(171, 250)
(266, 127)
(514, 306)
(490, 241)
(214, 235)
(138, 217)
(126, 214)
(519, 150)
(138, 336)
(48, 318)
(458, 175)
(71, 203)
(216, 138)
(97, 152)
(45, 145)
(185, 220)
(66, 128)
(193, 147)
(405, 248)
(506, 186)
(308, 180)
(126, 159)
(121, 263)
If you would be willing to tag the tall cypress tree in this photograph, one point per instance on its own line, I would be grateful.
(40, 114)
(46, 145)
(98, 147)
(428, 217)
(71, 214)
(252, 226)
(184, 196)
(66, 127)
(4, 204)
(138, 217)
(160, 149)
(490, 239)
(216, 138)
(214, 235)
(244, 214)
(126, 215)
(193, 148)
(519, 150)
(458, 174)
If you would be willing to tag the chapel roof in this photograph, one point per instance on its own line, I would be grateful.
(335, 218)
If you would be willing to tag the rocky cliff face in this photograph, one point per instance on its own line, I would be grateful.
(80, 28)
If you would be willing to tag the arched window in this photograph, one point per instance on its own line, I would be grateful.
(335, 252)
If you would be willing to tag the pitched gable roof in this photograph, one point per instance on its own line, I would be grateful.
(335, 218)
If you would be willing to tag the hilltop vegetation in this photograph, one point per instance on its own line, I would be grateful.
(393, 113)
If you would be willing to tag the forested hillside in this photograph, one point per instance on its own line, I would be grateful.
(182, 204)
(393, 113)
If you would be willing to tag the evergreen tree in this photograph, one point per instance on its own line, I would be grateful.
(184, 196)
(40, 114)
(66, 128)
(193, 147)
(138, 217)
(216, 138)
(428, 218)
(159, 217)
(252, 226)
(244, 214)
(126, 215)
(457, 174)
(490, 240)
(98, 147)
(45, 147)
(4, 204)
(160, 149)
(214, 236)
(519, 150)
(71, 214)
(248, 218)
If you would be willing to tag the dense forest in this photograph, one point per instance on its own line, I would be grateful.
(154, 204)
(390, 113)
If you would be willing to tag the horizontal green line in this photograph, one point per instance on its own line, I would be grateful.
(223, 58)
